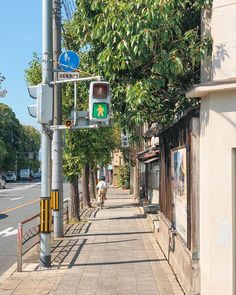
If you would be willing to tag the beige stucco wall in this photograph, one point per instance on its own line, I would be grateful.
(218, 137)
(223, 32)
(223, 28)
(180, 258)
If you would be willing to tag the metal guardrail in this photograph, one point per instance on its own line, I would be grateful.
(23, 238)
(26, 237)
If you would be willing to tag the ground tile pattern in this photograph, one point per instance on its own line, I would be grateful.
(113, 252)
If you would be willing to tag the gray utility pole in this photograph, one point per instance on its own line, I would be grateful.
(57, 178)
(45, 212)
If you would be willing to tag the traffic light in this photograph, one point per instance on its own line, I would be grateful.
(43, 109)
(32, 109)
(99, 101)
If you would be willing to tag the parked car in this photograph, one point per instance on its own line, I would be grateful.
(2, 182)
(25, 174)
(10, 176)
(37, 175)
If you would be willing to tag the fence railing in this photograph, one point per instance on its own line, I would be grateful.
(24, 237)
(29, 238)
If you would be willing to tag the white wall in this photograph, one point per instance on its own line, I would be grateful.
(223, 27)
(223, 30)
(218, 137)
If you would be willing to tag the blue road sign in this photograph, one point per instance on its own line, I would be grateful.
(69, 61)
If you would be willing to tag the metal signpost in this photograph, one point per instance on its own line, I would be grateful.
(45, 212)
(57, 150)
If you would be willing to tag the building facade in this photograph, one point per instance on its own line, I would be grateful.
(218, 153)
(178, 231)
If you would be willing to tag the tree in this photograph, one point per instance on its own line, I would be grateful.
(85, 185)
(29, 148)
(10, 137)
(150, 51)
(72, 168)
(2, 92)
(84, 149)
(16, 141)
(33, 74)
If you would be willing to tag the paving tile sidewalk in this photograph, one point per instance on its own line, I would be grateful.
(115, 253)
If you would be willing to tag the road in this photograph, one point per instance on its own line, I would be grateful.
(17, 202)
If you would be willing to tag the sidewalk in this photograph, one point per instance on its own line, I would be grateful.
(115, 253)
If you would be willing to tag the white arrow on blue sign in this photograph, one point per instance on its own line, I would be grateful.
(69, 61)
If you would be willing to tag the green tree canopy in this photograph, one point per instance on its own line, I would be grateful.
(10, 137)
(3, 92)
(150, 51)
(92, 146)
(16, 141)
(29, 148)
(33, 74)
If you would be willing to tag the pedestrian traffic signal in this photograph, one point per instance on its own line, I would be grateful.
(32, 109)
(42, 110)
(99, 101)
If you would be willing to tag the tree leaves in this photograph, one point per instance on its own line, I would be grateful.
(149, 50)
(16, 141)
(4, 91)
(145, 49)
(33, 74)
(94, 146)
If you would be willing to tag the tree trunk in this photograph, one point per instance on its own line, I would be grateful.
(95, 180)
(92, 185)
(75, 202)
(136, 194)
(85, 185)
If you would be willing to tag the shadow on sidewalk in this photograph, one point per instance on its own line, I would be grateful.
(114, 197)
(118, 195)
(75, 229)
(120, 206)
(112, 262)
(111, 242)
(120, 218)
(111, 234)
(61, 251)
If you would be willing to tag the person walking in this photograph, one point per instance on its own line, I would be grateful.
(102, 192)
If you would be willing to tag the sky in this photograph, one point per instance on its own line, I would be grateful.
(20, 36)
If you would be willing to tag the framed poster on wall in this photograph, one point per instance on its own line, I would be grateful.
(179, 189)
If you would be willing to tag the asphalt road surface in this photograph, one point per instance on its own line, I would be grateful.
(18, 202)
